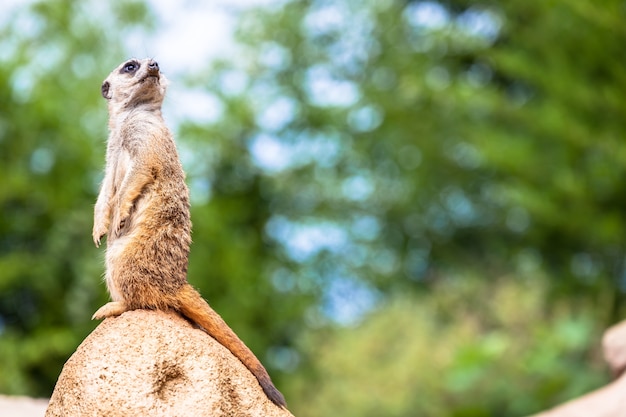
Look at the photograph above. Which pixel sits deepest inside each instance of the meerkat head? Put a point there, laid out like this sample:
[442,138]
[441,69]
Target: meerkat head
[134,83]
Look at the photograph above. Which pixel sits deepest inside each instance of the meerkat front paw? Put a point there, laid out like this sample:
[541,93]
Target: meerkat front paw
[101,217]
[99,230]
[114,308]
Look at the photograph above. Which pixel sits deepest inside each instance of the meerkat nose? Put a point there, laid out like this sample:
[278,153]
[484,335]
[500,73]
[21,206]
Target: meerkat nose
[153,67]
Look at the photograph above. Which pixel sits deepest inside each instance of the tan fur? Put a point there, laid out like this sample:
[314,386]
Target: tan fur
[143,208]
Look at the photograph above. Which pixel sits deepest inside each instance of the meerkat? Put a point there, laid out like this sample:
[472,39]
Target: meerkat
[143,208]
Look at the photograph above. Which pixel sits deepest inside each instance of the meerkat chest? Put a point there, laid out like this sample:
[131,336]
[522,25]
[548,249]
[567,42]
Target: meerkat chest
[122,167]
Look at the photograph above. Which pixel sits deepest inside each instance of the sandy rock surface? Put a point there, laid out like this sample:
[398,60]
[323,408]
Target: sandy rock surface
[152,363]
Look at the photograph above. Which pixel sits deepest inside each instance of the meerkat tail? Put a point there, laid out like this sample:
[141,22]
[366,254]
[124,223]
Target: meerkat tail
[194,307]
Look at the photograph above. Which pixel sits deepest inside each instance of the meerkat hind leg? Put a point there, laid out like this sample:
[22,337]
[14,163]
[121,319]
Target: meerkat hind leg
[114,308]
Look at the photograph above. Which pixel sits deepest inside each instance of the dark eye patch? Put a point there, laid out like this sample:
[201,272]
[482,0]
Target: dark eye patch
[130,67]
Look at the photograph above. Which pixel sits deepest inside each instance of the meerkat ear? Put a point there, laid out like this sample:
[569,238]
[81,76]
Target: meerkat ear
[105,90]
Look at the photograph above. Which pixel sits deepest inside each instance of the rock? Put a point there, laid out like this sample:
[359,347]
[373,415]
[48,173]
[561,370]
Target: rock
[154,363]
[22,406]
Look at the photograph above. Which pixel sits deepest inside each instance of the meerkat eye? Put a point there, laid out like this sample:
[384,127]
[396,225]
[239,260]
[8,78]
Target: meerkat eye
[130,67]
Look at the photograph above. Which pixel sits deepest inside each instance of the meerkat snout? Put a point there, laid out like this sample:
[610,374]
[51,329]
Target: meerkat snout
[153,70]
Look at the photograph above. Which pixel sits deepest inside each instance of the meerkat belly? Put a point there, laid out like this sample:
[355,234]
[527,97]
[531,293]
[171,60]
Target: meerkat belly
[158,211]
[146,270]
[148,262]
[113,276]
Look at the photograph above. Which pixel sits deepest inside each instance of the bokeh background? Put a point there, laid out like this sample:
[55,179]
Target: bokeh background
[403,207]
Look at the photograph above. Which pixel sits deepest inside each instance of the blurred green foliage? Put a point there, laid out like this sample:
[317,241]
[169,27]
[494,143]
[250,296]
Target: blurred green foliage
[405,207]
[449,355]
